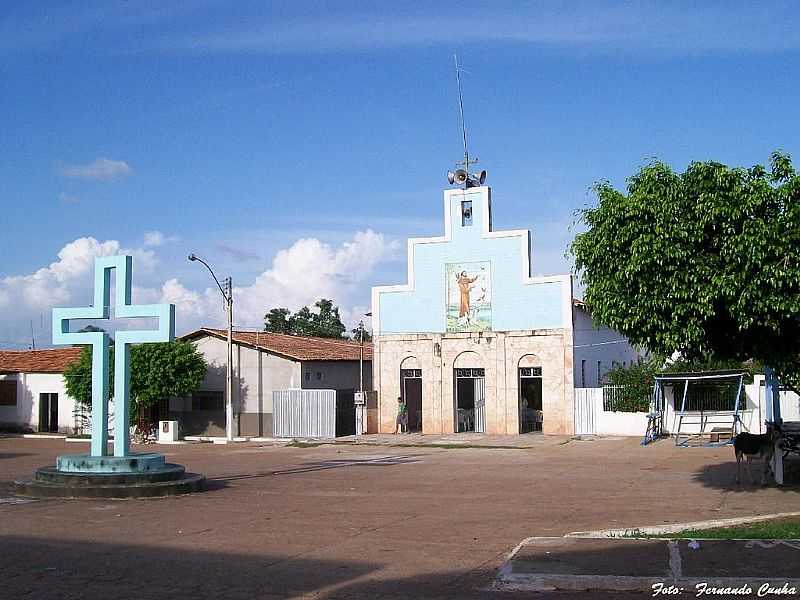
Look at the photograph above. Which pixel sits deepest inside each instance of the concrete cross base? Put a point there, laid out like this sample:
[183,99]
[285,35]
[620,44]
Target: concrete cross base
[142,462]
[170,480]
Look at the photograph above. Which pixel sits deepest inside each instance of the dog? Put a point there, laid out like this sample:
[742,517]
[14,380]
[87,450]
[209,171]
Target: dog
[749,445]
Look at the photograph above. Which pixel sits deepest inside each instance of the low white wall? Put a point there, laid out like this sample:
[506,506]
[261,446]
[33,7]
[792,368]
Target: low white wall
[634,424]
[620,423]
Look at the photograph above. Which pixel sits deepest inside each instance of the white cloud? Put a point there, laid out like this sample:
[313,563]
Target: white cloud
[156,238]
[299,275]
[102,169]
[59,282]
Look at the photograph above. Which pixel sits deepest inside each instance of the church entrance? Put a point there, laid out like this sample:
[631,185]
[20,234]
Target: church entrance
[530,399]
[470,400]
[411,391]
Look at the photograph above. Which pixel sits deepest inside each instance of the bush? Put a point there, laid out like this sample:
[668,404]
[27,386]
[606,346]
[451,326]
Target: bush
[636,386]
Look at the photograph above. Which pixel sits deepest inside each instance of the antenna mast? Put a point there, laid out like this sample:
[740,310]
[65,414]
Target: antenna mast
[463,176]
[461,112]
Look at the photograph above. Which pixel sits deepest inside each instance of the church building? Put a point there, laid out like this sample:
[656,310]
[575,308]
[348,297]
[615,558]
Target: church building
[473,342]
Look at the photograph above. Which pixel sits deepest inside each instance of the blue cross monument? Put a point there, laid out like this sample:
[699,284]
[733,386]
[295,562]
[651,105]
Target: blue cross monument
[165,313]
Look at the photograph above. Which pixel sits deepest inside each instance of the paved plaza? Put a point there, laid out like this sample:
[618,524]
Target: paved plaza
[353,520]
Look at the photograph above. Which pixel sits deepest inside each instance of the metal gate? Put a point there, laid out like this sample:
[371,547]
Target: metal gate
[480,405]
[304,413]
[585,402]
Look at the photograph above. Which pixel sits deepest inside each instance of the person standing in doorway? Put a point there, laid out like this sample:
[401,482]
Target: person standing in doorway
[402,416]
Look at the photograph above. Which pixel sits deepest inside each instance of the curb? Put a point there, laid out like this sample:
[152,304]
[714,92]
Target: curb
[632,532]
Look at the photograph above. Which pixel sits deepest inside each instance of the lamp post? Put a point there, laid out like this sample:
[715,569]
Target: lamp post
[361,354]
[360,410]
[227,295]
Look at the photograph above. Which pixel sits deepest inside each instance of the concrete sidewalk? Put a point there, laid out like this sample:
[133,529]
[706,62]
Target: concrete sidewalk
[652,565]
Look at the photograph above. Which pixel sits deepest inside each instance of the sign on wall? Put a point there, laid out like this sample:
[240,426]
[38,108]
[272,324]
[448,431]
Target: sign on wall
[469,296]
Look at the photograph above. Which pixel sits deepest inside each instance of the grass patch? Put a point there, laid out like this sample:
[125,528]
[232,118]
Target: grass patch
[300,444]
[780,529]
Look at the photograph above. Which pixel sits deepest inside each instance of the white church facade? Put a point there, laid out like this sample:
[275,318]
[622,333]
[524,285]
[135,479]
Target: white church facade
[473,342]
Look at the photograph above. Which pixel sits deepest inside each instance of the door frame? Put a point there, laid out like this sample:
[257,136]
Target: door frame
[406,374]
[48,412]
[472,373]
[529,373]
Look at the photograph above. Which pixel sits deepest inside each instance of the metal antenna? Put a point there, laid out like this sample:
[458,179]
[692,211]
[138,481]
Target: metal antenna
[461,112]
[464,177]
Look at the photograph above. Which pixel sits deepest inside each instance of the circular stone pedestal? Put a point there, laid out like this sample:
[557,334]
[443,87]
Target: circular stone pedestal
[134,476]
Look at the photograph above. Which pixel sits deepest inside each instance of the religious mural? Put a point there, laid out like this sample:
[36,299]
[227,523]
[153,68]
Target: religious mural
[469,296]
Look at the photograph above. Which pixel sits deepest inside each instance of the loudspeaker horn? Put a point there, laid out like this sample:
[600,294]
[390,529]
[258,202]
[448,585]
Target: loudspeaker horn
[460,176]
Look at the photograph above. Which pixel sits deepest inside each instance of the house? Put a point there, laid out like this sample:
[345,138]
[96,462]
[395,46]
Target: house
[263,363]
[33,395]
[473,342]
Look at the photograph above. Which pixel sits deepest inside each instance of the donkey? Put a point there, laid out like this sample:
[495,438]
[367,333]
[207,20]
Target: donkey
[747,445]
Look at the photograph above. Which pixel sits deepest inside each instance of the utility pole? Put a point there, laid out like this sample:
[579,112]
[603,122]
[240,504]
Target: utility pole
[229,400]
[227,295]
[361,357]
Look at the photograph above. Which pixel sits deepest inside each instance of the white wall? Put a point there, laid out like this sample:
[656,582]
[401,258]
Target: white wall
[256,374]
[752,413]
[26,413]
[593,344]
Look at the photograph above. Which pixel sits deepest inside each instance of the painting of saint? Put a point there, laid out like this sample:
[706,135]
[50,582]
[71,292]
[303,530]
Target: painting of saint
[468,296]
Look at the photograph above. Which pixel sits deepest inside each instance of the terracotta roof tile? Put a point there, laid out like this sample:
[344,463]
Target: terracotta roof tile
[53,360]
[293,346]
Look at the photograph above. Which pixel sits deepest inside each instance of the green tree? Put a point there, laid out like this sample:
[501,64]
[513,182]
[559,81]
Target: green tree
[325,322]
[277,321]
[158,371]
[356,333]
[703,262]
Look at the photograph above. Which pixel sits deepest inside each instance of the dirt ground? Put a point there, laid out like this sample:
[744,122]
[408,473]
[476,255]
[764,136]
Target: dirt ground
[352,521]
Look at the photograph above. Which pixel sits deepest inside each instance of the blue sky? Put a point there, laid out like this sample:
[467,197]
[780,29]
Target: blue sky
[296,145]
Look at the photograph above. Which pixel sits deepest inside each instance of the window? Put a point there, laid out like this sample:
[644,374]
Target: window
[8,392]
[583,373]
[466,213]
[319,375]
[208,400]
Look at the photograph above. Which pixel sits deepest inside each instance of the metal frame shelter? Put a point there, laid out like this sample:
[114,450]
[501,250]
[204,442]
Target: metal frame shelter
[655,419]
[789,429]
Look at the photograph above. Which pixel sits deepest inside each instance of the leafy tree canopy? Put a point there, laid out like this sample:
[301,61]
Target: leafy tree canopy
[704,262]
[158,371]
[325,322]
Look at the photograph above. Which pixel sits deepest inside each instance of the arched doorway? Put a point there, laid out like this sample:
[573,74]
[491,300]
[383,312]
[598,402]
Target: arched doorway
[529,373]
[469,393]
[411,391]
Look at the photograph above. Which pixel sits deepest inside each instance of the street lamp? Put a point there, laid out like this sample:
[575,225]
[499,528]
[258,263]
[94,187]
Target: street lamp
[361,354]
[227,295]
[361,408]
